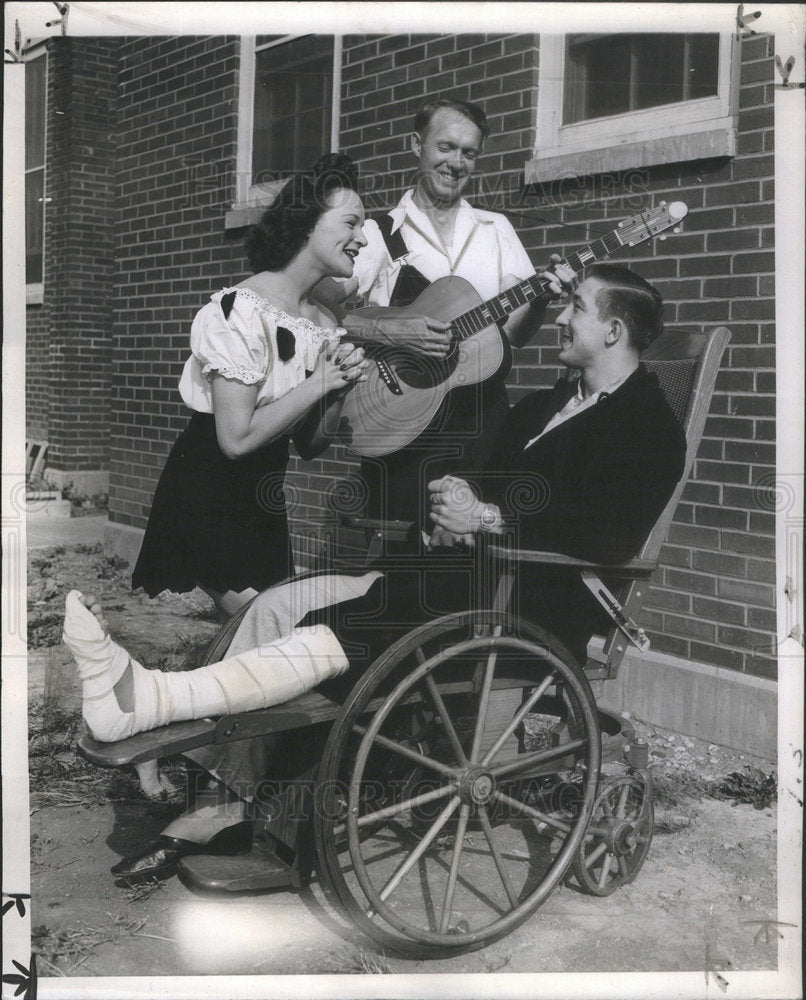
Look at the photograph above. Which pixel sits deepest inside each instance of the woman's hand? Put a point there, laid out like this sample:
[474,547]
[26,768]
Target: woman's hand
[339,365]
[455,507]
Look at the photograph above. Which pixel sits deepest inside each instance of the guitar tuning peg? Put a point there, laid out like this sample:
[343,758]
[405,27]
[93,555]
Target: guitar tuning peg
[676,229]
[662,236]
[663,204]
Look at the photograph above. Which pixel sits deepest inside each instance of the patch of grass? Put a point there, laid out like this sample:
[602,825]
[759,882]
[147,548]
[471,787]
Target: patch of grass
[61,777]
[71,948]
[681,787]
[750,785]
[45,629]
[185,654]
[362,962]
[677,788]
[110,567]
[144,891]
[84,549]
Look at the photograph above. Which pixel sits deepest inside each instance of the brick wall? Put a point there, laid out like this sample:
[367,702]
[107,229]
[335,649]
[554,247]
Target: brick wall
[713,599]
[74,341]
[177,102]
[37,368]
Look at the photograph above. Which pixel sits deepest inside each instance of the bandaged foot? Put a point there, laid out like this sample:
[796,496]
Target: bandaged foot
[257,678]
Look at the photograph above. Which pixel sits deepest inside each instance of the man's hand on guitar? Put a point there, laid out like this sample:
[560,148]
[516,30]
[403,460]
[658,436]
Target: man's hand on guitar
[423,334]
[561,277]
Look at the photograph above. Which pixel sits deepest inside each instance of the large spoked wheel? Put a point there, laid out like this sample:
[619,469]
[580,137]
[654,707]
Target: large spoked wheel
[432,833]
[617,841]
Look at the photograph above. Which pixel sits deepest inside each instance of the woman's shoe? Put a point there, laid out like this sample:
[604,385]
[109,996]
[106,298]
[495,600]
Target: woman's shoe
[159,859]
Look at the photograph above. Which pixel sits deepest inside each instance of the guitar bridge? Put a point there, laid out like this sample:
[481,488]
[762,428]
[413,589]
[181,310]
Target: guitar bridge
[388,377]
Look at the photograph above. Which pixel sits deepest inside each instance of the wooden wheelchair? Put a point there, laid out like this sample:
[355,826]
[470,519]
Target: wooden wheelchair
[469,770]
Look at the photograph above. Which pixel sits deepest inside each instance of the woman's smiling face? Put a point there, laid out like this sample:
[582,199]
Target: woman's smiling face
[338,235]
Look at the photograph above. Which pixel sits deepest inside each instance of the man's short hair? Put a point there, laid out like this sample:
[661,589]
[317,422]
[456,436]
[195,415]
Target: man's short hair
[630,298]
[472,111]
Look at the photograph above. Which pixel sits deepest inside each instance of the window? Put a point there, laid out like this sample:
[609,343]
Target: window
[288,113]
[35,111]
[614,74]
[616,101]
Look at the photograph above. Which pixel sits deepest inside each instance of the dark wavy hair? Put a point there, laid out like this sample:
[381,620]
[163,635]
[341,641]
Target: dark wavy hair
[288,222]
[465,108]
[630,298]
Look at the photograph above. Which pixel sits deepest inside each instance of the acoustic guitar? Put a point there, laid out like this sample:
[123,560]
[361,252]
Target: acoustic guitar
[404,388]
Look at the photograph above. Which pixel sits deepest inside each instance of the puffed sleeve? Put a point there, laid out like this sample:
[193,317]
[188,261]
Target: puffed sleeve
[228,337]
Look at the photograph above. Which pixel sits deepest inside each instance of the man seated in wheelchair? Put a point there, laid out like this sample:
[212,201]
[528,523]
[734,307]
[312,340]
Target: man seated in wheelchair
[583,469]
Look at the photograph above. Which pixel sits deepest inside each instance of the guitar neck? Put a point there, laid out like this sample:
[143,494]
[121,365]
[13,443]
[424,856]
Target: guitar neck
[496,309]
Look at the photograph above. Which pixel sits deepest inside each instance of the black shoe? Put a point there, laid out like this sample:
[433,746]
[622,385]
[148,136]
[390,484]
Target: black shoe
[159,859]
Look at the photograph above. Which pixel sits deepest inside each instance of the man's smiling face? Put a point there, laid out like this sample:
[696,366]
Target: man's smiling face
[447,152]
[582,331]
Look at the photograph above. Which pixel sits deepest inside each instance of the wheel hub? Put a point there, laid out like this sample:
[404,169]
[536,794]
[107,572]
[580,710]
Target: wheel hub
[477,786]
[621,836]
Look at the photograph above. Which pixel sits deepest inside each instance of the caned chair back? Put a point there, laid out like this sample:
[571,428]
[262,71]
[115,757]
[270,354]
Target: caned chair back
[686,365]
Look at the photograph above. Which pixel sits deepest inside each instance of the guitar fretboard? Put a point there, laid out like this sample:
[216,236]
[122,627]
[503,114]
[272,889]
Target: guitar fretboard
[496,309]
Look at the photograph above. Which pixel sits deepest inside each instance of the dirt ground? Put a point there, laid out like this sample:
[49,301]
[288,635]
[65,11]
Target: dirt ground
[706,888]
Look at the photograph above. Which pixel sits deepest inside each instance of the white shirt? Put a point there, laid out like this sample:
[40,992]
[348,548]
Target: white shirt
[577,404]
[243,347]
[485,248]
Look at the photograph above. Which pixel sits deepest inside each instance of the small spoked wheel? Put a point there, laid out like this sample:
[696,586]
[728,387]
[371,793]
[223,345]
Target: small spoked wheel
[439,826]
[617,842]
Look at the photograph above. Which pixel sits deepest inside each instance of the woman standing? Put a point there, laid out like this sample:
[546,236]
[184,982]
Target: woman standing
[267,366]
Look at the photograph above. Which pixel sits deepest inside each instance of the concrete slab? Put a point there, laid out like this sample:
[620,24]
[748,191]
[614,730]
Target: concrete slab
[43,532]
[697,699]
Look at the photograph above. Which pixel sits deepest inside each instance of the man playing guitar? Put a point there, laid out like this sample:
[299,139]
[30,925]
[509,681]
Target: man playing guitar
[434,232]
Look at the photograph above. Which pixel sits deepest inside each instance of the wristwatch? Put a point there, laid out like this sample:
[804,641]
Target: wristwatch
[489,517]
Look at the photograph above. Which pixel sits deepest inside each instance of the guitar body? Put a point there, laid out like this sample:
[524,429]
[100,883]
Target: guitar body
[404,389]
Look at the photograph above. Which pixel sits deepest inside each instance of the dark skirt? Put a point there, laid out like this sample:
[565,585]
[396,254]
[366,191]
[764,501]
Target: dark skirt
[216,522]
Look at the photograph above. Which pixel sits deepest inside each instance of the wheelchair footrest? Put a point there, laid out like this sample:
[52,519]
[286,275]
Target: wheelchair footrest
[258,871]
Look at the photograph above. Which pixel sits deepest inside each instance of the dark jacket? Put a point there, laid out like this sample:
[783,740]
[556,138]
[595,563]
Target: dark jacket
[593,486]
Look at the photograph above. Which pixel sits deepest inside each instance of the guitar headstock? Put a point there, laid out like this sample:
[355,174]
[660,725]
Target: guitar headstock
[645,225]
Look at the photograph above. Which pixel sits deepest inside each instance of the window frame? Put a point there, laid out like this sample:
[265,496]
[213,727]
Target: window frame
[250,199]
[687,130]
[35,290]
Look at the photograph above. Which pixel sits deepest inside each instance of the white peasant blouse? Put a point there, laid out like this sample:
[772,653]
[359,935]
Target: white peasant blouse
[244,346]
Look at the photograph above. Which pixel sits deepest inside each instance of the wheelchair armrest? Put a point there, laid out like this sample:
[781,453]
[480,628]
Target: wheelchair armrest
[392,529]
[633,568]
